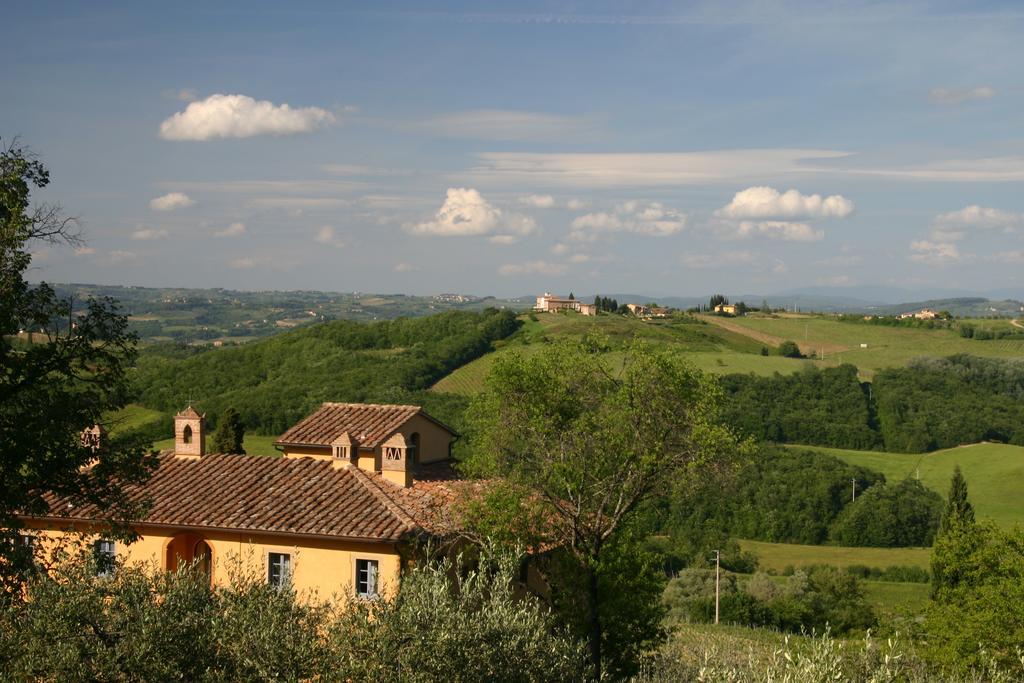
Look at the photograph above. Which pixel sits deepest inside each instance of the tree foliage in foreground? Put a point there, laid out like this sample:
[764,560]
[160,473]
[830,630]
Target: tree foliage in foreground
[592,445]
[148,625]
[73,370]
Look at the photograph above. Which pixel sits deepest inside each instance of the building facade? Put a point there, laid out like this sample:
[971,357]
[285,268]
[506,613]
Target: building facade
[549,303]
[357,488]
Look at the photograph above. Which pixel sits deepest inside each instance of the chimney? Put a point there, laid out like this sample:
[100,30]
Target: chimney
[189,434]
[345,451]
[394,463]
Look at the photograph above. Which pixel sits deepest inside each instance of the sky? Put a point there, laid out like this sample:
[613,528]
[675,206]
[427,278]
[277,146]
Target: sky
[512,148]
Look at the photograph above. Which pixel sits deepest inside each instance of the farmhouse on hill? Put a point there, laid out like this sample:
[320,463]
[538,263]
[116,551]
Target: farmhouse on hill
[358,486]
[549,303]
[729,309]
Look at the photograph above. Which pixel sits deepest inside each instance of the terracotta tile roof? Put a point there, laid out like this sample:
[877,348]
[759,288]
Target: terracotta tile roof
[280,495]
[189,412]
[368,423]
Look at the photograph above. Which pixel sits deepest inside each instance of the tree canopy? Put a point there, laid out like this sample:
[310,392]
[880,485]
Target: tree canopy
[63,378]
[593,444]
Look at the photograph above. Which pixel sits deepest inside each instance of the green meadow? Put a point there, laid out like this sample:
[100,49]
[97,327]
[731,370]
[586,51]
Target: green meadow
[994,474]
[709,347]
[841,341]
[777,556]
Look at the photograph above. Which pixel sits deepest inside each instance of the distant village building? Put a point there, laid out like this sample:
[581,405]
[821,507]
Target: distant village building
[923,314]
[638,309]
[549,303]
[726,308]
[358,490]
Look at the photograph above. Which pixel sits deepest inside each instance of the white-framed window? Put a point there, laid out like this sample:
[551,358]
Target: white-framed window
[366,578]
[279,568]
[106,556]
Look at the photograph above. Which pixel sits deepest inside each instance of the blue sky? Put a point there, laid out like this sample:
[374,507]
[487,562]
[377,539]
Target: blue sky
[662,148]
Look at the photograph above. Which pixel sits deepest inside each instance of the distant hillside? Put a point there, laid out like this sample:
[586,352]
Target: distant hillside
[204,316]
[274,382]
[966,307]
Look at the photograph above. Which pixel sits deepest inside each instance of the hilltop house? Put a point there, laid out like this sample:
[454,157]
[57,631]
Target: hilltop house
[357,487]
[923,314]
[549,303]
[729,309]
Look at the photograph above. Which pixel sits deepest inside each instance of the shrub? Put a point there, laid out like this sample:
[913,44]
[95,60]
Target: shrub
[890,516]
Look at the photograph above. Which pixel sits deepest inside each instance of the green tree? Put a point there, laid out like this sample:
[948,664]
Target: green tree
[977,609]
[717,299]
[890,516]
[230,433]
[593,445]
[69,376]
[958,508]
[790,349]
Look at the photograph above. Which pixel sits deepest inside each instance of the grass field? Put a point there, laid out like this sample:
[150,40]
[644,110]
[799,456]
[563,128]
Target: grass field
[709,347]
[133,416]
[841,341]
[254,444]
[994,474]
[890,597]
[778,556]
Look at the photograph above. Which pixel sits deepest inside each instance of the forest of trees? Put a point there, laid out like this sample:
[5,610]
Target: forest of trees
[929,404]
[792,496]
[826,407]
[275,382]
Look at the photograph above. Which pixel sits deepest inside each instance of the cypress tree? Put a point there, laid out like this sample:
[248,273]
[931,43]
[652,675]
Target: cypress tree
[230,433]
[958,508]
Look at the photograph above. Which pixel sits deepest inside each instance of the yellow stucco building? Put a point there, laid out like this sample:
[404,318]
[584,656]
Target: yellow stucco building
[356,487]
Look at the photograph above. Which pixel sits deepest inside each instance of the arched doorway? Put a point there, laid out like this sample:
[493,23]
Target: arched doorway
[202,555]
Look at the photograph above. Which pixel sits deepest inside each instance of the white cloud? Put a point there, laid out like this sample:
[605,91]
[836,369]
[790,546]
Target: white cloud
[579,258]
[647,169]
[466,212]
[533,268]
[499,124]
[85,251]
[746,259]
[328,236]
[575,204]
[560,248]
[841,260]
[503,239]
[1009,257]
[404,267]
[246,262]
[171,201]
[120,256]
[935,253]
[980,217]
[725,258]
[777,230]
[149,234]
[767,202]
[240,116]
[538,201]
[654,219]
[960,95]
[233,230]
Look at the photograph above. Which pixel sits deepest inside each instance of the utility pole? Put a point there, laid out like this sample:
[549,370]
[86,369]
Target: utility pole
[854,480]
[718,573]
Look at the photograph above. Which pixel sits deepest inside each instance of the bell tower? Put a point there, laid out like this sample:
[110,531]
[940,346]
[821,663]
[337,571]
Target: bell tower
[189,433]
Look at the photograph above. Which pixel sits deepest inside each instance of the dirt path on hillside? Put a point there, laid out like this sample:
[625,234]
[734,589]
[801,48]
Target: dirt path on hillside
[806,348]
[1016,323]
